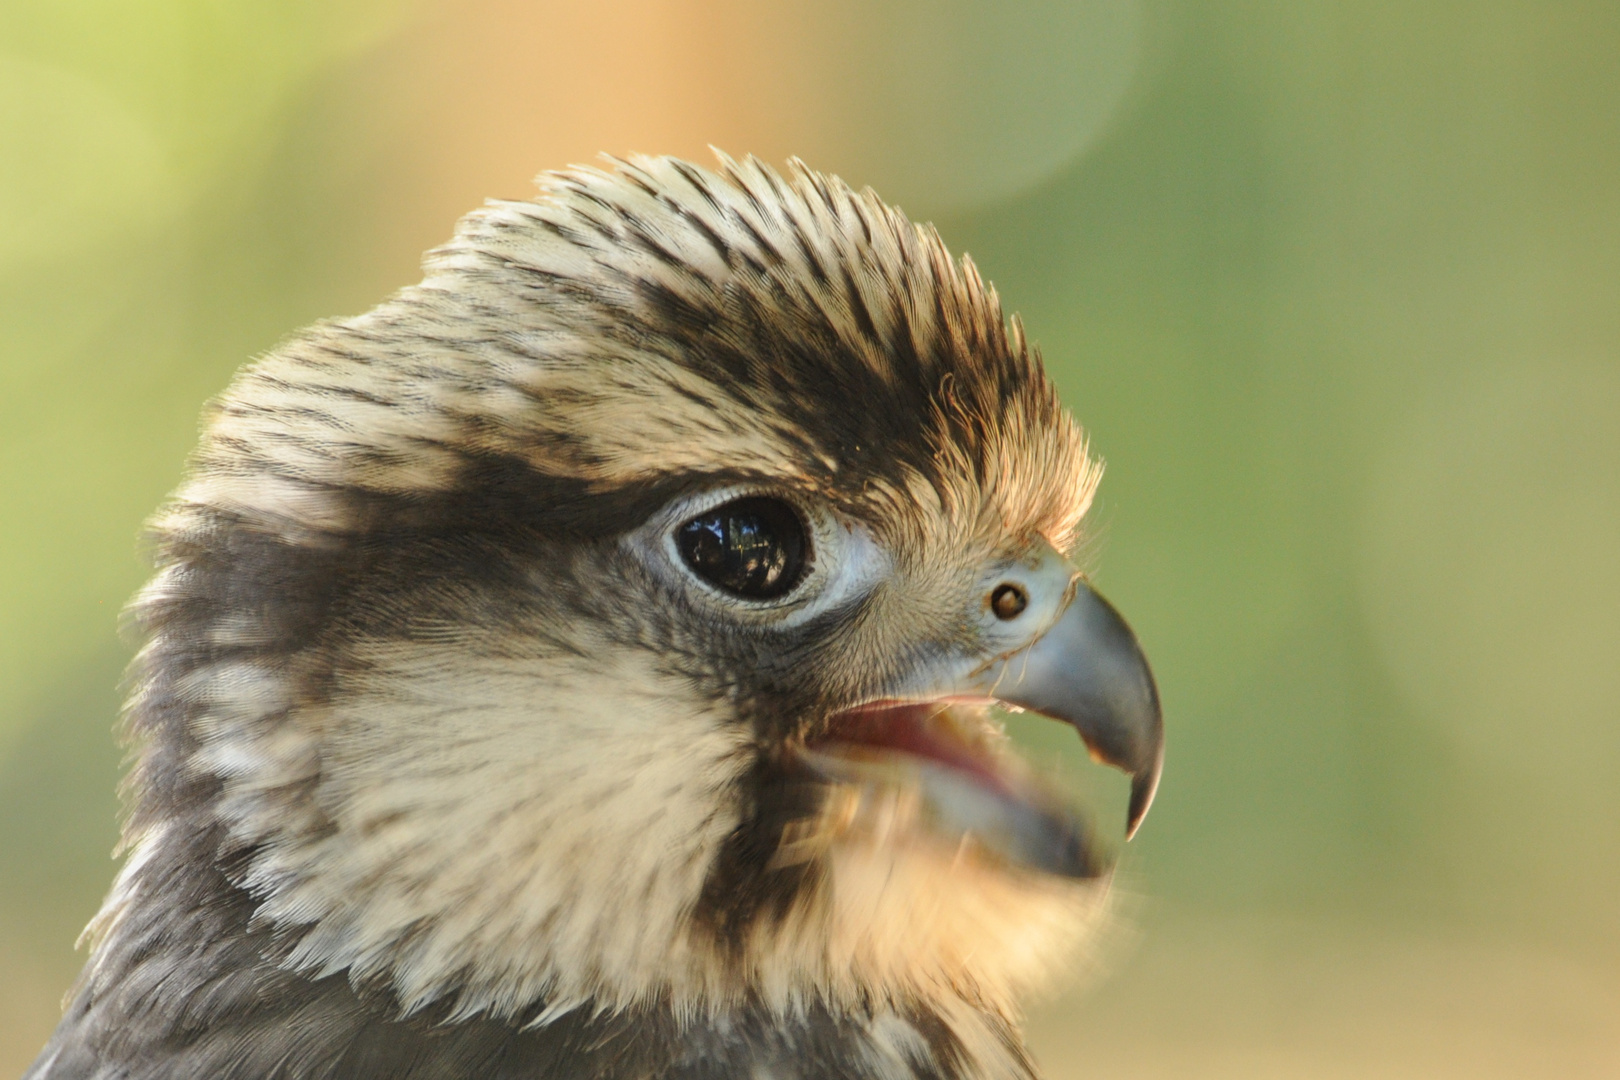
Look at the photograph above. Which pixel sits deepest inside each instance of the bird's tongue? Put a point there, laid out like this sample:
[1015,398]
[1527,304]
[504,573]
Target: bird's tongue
[929,731]
[930,771]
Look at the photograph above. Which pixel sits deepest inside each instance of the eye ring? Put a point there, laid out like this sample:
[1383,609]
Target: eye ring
[1008,601]
[752,548]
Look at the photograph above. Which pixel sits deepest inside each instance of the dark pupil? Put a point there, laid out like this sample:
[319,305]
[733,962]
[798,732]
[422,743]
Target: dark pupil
[753,547]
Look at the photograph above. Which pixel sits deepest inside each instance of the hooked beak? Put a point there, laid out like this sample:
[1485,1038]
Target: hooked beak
[1062,651]
[1088,671]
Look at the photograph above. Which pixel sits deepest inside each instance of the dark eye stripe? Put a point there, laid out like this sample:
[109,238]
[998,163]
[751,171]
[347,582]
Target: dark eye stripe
[755,547]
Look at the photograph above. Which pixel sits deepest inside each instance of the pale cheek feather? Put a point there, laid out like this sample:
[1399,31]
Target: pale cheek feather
[521,833]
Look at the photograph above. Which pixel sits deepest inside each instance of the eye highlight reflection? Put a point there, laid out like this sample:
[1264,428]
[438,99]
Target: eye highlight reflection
[755,548]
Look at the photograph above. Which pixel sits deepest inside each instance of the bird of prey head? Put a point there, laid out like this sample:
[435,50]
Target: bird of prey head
[581,665]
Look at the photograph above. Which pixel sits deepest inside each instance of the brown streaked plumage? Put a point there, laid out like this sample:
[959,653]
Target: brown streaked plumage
[452,761]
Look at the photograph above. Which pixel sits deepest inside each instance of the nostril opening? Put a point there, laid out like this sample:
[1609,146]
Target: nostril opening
[1008,601]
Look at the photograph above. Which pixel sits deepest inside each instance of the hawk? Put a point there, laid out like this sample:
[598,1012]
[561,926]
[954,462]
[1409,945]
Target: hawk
[584,663]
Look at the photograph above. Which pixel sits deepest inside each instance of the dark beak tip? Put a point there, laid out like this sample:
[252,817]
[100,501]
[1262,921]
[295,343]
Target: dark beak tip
[1144,785]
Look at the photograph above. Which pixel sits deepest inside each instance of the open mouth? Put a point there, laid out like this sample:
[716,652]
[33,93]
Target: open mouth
[944,773]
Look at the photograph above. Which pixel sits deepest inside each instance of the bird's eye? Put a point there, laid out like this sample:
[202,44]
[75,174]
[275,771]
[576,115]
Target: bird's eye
[753,547]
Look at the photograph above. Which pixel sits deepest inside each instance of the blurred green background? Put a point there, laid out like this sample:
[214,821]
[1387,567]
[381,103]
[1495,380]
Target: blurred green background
[1334,286]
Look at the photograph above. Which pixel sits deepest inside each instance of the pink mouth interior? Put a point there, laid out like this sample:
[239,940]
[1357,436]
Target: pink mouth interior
[916,728]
